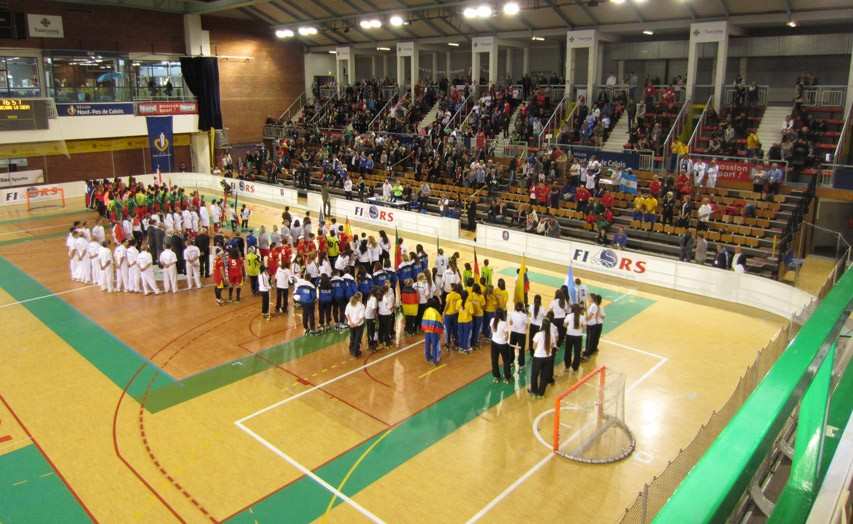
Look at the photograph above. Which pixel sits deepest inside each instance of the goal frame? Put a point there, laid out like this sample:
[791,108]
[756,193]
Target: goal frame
[32,195]
[601,372]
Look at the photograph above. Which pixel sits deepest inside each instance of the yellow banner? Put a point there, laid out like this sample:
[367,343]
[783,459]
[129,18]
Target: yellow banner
[75,147]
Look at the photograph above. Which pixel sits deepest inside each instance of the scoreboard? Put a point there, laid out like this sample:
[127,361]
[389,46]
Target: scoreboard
[23,114]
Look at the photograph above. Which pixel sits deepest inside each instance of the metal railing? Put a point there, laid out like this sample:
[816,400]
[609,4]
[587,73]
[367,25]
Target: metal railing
[328,91]
[464,108]
[613,91]
[324,108]
[647,159]
[376,123]
[554,124]
[697,131]
[293,109]
[676,129]
[824,96]
[842,149]
[109,93]
[730,92]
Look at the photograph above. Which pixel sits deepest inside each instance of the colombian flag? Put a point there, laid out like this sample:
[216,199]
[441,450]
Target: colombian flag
[521,282]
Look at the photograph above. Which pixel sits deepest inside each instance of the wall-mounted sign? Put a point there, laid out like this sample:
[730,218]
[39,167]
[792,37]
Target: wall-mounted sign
[22,114]
[166,108]
[45,26]
[105,109]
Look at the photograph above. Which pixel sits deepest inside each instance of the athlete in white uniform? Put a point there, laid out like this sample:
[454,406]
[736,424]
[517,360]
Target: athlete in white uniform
[92,251]
[98,233]
[105,265]
[204,217]
[120,260]
[84,269]
[133,276]
[168,261]
[146,269]
[70,242]
[192,255]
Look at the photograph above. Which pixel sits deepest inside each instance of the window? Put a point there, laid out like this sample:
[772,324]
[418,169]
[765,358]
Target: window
[19,77]
[87,78]
[157,80]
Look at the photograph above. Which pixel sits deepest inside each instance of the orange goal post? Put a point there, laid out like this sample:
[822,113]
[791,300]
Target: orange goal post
[589,419]
[42,197]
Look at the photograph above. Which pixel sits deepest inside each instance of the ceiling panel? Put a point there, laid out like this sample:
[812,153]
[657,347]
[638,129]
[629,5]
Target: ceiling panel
[756,6]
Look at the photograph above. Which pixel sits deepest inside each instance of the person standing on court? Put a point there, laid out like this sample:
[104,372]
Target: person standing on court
[541,346]
[500,348]
[327,200]
[253,268]
[146,269]
[105,264]
[354,314]
[192,256]
[282,286]
[575,324]
[264,290]
[371,316]
[133,276]
[452,305]
[305,294]
[386,315]
[120,260]
[234,267]
[220,276]
[518,321]
[169,265]
[594,324]
[433,328]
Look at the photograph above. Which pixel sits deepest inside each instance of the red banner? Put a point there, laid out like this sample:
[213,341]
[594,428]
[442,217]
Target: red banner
[734,170]
[166,108]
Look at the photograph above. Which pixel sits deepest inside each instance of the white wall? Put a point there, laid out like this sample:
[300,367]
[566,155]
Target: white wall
[90,127]
[317,64]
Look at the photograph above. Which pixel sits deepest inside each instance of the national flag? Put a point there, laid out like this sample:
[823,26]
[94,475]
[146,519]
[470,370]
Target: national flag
[348,228]
[476,265]
[520,286]
[570,283]
[398,253]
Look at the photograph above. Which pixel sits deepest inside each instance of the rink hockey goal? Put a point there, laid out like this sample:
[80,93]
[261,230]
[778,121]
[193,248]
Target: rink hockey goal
[589,419]
[43,197]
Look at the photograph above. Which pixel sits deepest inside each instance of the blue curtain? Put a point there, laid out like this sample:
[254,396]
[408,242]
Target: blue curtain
[202,77]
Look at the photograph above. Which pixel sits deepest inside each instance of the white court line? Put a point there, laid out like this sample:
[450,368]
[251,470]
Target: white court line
[28,230]
[324,384]
[290,460]
[33,299]
[307,472]
[536,467]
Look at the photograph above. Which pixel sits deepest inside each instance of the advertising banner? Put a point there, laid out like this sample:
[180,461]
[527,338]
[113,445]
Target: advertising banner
[107,109]
[45,26]
[608,159]
[22,178]
[166,108]
[160,142]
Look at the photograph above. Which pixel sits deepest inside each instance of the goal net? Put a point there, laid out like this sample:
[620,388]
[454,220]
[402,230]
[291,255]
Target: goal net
[588,420]
[43,197]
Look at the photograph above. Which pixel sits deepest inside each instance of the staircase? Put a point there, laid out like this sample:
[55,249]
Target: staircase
[618,137]
[770,129]
[430,117]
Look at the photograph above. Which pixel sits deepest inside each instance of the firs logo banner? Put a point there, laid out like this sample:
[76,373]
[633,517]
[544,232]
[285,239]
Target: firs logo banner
[610,259]
[374,213]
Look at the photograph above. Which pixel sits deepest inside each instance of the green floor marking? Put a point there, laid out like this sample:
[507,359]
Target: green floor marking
[30,490]
[119,362]
[555,282]
[30,238]
[305,501]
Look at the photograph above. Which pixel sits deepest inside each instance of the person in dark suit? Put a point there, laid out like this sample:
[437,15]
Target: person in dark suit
[203,243]
[176,242]
[723,260]
[686,243]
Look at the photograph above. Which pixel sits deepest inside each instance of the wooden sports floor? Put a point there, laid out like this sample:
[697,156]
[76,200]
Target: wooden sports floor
[122,408]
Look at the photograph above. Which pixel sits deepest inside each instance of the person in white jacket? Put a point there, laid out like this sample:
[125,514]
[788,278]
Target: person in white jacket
[105,265]
[168,263]
[192,259]
[120,260]
[133,275]
[283,276]
[146,269]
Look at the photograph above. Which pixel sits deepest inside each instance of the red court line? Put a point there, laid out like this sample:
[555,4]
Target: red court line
[5,438]
[367,371]
[307,382]
[338,455]
[47,458]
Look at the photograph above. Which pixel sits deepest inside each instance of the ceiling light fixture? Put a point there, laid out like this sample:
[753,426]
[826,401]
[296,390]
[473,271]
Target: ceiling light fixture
[792,23]
[469,12]
[484,11]
[370,24]
[284,33]
[307,30]
[511,8]
[617,2]
[537,38]
[453,44]
[397,20]
[383,48]
[648,32]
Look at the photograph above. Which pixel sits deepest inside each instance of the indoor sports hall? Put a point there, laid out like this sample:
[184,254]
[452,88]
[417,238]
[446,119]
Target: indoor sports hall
[422,261]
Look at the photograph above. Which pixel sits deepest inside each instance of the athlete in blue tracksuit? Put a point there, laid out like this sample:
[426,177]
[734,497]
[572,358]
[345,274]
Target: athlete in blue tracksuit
[305,294]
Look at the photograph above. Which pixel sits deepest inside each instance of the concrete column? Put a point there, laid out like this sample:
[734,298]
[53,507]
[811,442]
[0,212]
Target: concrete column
[742,66]
[475,69]
[509,63]
[196,40]
[384,66]
[373,66]
[339,74]
[525,61]
[447,56]
[401,71]
[351,68]
[200,152]
[415,63]
[620,72]
[849,88]
[720,70]
[692,71]
[493,64]
[592,71]
[434,67]
[570,71]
